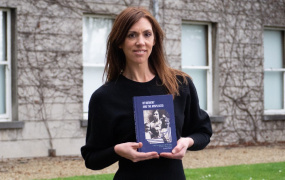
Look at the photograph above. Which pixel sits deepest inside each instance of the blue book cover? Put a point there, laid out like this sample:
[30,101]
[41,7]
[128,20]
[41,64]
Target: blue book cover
[155,123]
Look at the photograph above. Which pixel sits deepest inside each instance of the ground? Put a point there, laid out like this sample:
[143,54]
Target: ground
[52,167]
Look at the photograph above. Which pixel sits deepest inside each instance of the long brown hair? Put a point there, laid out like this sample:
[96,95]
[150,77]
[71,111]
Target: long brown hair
[116,60]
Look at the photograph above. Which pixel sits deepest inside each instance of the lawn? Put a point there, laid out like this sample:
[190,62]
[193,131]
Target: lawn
[268,171]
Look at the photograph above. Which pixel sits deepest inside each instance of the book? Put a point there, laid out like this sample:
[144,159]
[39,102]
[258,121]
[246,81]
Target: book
[155,123]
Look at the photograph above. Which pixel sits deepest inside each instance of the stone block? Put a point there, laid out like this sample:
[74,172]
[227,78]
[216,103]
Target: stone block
[9,3]
[170,4]
[174,61]
[50,59]
[229,93]
[234,21]
[56,94]
[49,8]
[9,135]
[33,130]
[56,111]
[49,25]
[230,65]
[240,108]
[253,22]
[50,78]
[68,146]
[271,136]
[172,47]
[241,79]
[66,129]
[171,20]
[272,125]
[18,149]
[49,42]
[241,51]
[172,31]
[105,9]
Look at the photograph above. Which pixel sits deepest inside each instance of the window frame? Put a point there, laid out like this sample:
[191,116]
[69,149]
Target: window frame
[7,63]
[209,67]
[93,65]
[275,111]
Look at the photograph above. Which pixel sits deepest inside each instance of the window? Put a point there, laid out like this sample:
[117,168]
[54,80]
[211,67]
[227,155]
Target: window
[274,71]
[5,65]
[95,32]
[197,60]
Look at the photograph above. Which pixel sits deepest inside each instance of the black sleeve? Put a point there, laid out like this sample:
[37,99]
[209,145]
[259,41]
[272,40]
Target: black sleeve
[98,152]
[197,124]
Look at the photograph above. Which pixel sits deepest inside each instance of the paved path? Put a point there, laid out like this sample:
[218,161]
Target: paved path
[39,168]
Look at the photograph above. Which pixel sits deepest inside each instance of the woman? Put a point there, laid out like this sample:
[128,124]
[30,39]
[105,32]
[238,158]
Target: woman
[136,66]
[166,131]
[155,125]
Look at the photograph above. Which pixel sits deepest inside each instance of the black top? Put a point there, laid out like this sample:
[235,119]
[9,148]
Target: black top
[111,121]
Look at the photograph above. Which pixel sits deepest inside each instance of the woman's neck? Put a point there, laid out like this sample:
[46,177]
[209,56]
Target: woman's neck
[138,73]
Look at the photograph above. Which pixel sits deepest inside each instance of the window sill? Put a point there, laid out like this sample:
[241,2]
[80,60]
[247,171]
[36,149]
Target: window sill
[11,125]
[83,123]
[275,117]
[214,119]
[217,119]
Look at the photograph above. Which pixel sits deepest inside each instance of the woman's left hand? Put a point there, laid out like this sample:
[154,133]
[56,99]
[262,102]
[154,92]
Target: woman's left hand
[180,150]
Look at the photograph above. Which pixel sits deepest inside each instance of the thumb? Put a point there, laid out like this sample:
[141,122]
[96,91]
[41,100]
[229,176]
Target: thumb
[137,145]
[177,149]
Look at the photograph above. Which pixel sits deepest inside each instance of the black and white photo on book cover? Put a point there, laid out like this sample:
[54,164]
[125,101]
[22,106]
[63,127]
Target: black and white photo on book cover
[155,123]
[157,126]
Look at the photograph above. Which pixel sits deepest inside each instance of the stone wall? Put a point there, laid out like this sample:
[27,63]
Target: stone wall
[238,62]
[49,68]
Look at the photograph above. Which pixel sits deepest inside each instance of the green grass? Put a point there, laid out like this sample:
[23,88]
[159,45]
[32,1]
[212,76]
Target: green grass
[268,171]
[92,177]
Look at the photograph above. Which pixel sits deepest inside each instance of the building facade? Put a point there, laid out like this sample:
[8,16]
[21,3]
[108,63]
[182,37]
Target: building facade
[52,57]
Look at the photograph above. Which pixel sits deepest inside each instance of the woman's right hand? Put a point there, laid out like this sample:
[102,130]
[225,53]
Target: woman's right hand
[129,151]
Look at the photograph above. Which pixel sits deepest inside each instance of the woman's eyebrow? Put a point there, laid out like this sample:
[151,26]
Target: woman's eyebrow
[133,31]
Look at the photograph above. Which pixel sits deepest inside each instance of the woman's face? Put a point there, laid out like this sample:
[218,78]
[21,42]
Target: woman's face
[156,115]
[147,127]
[138,44]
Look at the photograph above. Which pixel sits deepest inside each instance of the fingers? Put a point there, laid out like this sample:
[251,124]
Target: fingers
[179,151]
[129,151]
[178,155]
[136,145]
[177,148]
[168,155]
[140,156]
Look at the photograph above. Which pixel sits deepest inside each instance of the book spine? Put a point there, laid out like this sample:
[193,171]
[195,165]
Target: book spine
[136,121]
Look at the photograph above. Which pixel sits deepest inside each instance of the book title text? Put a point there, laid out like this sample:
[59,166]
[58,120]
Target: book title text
[151,104]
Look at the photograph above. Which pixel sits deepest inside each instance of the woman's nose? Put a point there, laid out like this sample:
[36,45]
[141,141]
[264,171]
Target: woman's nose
[140,40]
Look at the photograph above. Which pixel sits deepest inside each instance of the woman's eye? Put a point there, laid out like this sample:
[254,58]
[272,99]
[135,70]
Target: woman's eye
[148,34]
[131,35]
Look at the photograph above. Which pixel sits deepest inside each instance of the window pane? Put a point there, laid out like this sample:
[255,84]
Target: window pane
[92,77]
[273,49]
[194,45]
[199,78]
[95,33]
[3,17]
[273,90]
[2,90]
